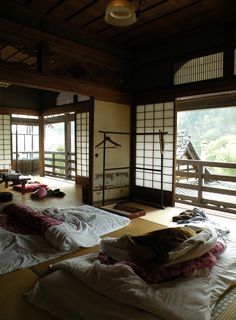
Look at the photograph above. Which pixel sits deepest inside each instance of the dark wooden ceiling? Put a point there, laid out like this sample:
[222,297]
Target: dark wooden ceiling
[160,20]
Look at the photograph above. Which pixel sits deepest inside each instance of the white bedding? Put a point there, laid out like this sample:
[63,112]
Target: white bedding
[21,251]
[125,296]
[68,237]
[103,222]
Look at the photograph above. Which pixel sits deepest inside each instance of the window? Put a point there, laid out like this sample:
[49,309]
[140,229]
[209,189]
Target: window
[198,69]
[25,137]
[25,142]
[65,98]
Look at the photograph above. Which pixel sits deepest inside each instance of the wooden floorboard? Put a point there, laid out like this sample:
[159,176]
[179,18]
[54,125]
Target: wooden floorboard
[73,193]
[73,197]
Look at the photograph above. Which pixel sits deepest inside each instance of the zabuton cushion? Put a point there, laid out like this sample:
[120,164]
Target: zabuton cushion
[29,187]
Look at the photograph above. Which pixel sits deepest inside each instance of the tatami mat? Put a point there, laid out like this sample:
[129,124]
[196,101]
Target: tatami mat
[14,305]
[225,309]
[136,227]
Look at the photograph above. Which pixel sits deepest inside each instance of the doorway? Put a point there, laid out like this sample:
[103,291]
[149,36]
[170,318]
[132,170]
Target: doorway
[205,152]
[59,145]
[25,144]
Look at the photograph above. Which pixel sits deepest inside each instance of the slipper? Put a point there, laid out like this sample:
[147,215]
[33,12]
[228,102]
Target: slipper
[58,193]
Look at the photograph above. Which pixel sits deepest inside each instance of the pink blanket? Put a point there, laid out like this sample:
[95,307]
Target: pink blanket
[22,218]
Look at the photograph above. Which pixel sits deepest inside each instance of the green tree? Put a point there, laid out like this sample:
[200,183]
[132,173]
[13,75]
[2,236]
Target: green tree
[216,127]
[223,150]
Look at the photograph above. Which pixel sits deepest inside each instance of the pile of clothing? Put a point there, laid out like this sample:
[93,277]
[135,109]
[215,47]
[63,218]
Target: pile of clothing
[188,216]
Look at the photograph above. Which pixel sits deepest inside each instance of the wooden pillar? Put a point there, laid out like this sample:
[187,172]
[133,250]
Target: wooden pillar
[67,146]
[41,146]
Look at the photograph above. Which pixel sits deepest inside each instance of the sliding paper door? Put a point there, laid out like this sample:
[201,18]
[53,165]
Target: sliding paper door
[5,142]
[84,151]
[154,153]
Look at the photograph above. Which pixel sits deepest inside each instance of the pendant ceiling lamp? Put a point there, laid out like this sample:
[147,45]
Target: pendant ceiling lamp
[122,12]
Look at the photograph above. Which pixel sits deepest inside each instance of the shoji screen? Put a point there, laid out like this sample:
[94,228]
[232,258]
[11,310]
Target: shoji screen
[149,175]
[5,141]
[82,144]
[198,69]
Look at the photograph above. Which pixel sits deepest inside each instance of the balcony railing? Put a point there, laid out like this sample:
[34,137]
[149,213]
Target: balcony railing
[26,162]
[59,164]
[197,186]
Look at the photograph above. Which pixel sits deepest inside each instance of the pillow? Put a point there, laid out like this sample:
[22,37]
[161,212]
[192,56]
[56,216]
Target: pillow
[31,217]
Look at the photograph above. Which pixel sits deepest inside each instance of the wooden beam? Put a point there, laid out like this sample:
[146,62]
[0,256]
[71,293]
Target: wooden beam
[60,83]
[32,36]
[43,61]
[14,110]
[217,100]
[95,65]
[191,89]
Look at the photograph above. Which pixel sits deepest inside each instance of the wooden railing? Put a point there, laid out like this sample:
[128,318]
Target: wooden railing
[195,185]
[59,164]
[26,162]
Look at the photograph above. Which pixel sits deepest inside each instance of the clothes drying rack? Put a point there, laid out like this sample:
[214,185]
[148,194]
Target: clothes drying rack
[114,144]
[103,144]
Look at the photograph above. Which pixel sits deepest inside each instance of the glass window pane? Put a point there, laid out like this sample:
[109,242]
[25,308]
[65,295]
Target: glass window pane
[28,143]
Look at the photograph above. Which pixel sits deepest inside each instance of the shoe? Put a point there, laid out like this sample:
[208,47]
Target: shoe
[58,193]
[55,193]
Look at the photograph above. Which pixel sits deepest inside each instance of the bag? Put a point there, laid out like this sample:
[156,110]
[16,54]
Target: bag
[5,196]
[39,194]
